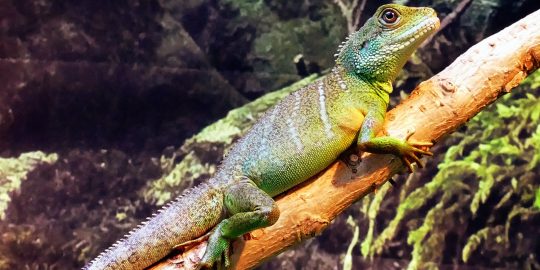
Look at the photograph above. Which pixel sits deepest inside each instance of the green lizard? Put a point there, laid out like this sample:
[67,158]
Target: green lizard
[293,141]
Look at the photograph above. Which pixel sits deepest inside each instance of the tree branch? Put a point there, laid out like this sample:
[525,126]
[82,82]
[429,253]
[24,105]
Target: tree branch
[436,108]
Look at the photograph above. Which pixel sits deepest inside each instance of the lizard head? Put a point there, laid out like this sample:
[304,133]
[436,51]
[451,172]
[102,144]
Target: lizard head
[382,46]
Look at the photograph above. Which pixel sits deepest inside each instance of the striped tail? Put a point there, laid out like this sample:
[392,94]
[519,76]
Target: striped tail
[186,218]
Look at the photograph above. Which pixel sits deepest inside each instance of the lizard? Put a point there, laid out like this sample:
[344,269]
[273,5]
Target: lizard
[294,140]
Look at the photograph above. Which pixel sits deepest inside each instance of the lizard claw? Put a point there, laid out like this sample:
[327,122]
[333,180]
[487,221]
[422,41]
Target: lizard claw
[416,145]
[217,252]
[412,152]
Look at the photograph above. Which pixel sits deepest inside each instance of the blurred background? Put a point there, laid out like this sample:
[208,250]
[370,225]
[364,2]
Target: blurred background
[108,110]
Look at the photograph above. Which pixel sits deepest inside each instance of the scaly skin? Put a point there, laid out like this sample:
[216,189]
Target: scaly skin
[293,141]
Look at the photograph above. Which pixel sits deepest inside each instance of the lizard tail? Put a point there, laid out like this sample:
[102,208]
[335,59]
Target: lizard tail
[186,218]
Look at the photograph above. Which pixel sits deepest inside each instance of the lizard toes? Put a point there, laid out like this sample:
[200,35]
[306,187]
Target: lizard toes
[407,163]
[414,158]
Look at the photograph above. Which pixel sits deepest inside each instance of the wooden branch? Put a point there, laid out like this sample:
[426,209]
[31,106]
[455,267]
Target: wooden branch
[436,108]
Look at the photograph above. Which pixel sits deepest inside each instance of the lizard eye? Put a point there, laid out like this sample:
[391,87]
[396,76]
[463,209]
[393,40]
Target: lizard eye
[389,16]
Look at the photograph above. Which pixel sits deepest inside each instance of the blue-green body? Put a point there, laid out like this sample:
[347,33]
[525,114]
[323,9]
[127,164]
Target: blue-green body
[307,131]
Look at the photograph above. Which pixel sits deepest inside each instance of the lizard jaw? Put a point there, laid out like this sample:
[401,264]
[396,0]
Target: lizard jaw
[416,34]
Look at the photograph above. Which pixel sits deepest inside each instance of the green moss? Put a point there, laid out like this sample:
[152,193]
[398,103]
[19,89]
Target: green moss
[14,170]
[372,215]
[537,199]
[188,169]
[417,236]
[348,259]
[476,239]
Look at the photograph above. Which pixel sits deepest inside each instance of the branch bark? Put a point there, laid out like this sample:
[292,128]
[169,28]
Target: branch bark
[436,108]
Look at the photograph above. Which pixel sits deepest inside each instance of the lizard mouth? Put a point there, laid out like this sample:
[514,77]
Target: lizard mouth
[415,34]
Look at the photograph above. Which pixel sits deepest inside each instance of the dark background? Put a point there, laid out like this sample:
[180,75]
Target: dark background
[114,88]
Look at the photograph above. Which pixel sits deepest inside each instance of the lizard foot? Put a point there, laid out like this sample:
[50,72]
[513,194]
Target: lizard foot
[217,252]
[411,151]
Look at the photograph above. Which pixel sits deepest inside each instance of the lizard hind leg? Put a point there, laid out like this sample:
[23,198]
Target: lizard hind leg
[250,208]
[191,243]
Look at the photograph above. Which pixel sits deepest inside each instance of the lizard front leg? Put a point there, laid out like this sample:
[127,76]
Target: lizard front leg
[250,208]
[408,152]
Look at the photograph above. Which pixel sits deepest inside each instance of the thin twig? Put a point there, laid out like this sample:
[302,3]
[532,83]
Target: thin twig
[359,12]
[348,11]
[449,19]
